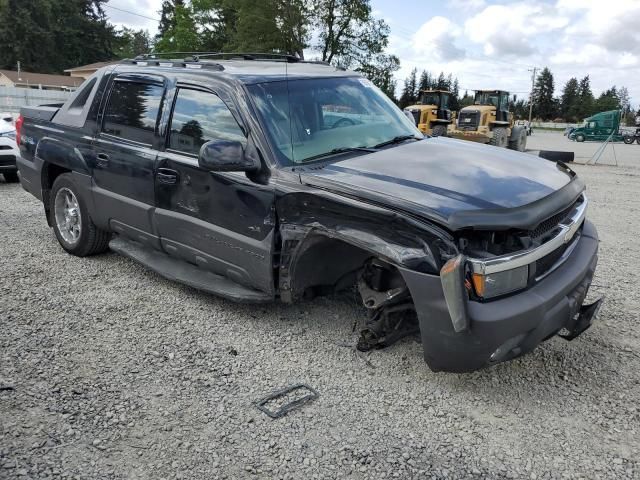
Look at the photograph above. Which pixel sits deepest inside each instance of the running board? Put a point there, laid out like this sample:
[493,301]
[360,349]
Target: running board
[186,273]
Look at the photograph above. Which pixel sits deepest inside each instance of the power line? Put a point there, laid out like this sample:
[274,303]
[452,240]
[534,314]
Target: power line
[131,13]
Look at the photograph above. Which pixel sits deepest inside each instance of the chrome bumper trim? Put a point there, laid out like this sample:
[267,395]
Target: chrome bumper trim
[568,229]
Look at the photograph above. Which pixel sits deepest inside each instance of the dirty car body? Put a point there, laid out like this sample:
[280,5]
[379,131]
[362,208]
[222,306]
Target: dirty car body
[264,180]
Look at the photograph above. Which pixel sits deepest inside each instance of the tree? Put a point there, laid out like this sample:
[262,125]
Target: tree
[543,95]
[49,36]
[585,105]
[131,43]
[569,100]
[168,17]
[409,94]
[466,100]
[279,26]
[182,33]
[454,103]
[380,71]
[608,100]
[348,33]
[426,82]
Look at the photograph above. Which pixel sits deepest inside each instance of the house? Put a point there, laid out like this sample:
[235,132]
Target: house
[40,81]
[85,71]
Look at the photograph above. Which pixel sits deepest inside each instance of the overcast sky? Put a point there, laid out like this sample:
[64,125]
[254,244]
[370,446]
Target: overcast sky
[494,44]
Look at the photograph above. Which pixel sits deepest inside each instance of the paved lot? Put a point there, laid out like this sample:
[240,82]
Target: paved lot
[117,373]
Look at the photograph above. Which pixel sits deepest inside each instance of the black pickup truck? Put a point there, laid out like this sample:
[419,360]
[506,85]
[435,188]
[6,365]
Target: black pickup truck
[260,179]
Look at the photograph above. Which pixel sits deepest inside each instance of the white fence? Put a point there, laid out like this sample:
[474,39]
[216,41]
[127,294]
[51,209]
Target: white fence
[12,98]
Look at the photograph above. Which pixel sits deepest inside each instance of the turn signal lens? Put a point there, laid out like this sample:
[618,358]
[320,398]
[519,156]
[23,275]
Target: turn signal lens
[455,292]
[500,283]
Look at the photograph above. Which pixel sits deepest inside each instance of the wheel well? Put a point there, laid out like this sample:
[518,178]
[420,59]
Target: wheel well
[325,265]
[50,171]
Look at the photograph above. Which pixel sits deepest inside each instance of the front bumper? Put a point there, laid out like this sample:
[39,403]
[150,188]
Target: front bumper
[508,327]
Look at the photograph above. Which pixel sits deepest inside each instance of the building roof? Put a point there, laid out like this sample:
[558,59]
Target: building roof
[91,66]
[41,79]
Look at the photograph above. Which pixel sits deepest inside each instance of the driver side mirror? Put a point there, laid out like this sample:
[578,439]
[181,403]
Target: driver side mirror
[226,156]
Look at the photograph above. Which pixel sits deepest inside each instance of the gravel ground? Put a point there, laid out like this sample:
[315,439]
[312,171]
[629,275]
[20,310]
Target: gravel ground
[109,371]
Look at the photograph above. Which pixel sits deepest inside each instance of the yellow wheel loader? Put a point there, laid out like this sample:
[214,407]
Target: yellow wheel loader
[488,120]
[431,113]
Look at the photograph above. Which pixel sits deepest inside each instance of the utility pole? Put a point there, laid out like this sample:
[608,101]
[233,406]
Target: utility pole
[533,82]
[19,70]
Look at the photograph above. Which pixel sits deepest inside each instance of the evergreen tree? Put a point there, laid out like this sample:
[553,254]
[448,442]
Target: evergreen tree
[182,34]
[543,95]
[168,17]
[585,105]
[569,100]
[608,100]
[454,102]
[426,83]
[132,43]
[409,94]
[49,36]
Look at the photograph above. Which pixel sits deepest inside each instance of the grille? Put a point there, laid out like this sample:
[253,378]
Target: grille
[5,147]
[551,223]
[545,263]
[469,120]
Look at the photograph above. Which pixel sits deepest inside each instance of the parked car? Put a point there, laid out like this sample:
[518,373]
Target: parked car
[285,180]
[8,148]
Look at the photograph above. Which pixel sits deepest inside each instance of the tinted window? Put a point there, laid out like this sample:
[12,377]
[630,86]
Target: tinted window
[199,117]
[132,110]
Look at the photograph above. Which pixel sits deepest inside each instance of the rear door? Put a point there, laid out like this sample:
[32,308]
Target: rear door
[125,152]
[220,221]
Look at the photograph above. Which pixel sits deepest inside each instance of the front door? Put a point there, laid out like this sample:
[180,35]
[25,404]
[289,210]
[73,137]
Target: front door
[220,221]
[125,153]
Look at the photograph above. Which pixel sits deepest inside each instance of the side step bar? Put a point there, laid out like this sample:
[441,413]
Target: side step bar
[186,273]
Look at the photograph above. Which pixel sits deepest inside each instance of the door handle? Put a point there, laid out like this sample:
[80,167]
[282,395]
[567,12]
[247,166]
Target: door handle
[103,159]
[167,176]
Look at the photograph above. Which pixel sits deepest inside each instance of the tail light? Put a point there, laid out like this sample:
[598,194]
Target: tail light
[19,123]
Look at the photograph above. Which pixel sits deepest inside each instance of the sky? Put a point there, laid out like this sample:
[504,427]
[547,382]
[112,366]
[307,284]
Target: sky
[494,44]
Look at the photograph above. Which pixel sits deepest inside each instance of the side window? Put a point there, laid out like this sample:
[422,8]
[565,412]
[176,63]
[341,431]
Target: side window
[199,117]
[132,110]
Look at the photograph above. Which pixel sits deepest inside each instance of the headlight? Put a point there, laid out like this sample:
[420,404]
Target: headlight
[500,283]
[9,134]
[435,112]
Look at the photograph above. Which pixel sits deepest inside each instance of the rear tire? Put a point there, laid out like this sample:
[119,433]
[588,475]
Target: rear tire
[439,131]
[500,137]
[11,177]
[73,226]
[579,137]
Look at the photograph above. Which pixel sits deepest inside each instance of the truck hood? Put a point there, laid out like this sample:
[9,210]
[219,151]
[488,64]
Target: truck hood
[456,183]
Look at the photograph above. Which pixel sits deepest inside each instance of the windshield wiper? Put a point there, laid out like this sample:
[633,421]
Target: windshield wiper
[398,139]
[337,151]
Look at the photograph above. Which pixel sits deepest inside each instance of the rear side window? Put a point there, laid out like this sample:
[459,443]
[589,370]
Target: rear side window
[132,110]
[199,117]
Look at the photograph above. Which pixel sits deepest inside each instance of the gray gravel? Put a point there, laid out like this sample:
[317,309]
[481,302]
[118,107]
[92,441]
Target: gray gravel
[109,371]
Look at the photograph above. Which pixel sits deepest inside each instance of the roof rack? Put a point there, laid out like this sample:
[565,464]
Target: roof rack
[151,62]
[196,56]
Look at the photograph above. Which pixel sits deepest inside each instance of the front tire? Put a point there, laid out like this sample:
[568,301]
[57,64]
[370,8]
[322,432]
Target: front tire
[520,143]
[500,137]
[579,137]
[73,226]
[439,131]
[11,177]
[628,139]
